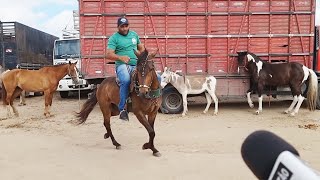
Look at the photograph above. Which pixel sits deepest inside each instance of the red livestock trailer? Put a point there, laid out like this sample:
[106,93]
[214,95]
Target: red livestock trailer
[200,37]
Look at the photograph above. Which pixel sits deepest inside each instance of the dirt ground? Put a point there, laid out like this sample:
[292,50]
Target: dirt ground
[198,146]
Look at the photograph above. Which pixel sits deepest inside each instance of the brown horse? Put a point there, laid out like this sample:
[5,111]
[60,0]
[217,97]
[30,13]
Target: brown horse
[45,79]
[145,93]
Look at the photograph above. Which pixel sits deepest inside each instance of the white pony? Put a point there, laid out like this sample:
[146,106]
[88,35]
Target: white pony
[192,85]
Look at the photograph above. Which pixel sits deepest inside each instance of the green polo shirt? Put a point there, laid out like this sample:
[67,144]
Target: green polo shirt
[124,46]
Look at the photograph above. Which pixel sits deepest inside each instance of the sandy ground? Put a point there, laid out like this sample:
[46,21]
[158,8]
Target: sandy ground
[198,146]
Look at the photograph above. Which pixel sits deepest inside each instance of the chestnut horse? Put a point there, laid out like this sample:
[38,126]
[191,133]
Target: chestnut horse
[45,79]
[290,74]
[145,93]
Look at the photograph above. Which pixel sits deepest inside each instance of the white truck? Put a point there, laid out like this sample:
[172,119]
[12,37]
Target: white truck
[66,50]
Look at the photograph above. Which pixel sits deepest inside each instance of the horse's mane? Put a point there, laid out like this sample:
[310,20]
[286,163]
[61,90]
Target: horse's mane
[256,58]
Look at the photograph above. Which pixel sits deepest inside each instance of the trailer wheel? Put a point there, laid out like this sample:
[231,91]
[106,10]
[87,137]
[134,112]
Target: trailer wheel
[64,94]
[172,102]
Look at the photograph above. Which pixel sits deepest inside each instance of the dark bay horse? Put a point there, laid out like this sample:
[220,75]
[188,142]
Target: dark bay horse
[145,93]
[45,79]
[290,74]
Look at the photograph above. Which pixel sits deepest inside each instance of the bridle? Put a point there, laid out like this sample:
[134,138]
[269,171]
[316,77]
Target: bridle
[152,94]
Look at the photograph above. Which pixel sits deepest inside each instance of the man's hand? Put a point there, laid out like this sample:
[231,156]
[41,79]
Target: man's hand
[124,59]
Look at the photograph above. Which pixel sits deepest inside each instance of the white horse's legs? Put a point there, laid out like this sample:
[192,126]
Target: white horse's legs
[296,109]
[294,102]
[260,105]
[249,100]
[185,107]
[209,100]
[215,99]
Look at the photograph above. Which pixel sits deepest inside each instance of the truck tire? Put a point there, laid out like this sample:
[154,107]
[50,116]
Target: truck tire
[64,94]
[172,102]
[318,99]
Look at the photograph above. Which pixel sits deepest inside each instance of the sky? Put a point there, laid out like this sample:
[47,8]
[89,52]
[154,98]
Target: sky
[52,16]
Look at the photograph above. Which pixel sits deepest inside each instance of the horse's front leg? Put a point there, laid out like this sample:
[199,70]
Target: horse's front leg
[185,104]
[249,98]
[260,97]
[148,124]
[47,103]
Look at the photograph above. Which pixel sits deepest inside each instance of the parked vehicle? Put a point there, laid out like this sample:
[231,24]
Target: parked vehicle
[24,47]
[202,37]
[66,50]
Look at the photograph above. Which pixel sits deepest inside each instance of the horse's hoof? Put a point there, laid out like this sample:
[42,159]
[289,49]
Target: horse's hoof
[257,112]
[286,112]
[106,136]
[292,114]
[118,147]
[215,113]
[183,115]
[157,154]
[204,112]
[251,105]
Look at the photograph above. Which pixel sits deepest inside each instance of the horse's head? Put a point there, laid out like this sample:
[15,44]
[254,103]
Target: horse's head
[165,76]
[73,72]
[146,75]
[251,62]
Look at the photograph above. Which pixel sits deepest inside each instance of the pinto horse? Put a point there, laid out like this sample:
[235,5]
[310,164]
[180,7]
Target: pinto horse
[45,79]
[192,85]
[145,93]
[290,74]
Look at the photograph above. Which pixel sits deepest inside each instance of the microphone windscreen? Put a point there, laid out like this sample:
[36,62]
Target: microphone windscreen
[260,151]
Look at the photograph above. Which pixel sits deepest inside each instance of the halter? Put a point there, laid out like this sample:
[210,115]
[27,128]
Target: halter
[245,65]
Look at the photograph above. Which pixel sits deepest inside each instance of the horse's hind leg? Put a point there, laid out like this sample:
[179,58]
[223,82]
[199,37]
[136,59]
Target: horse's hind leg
[106,117]
[15,94]
[149,125]
[215,99]
[296,109]
[185,104]
[209,100]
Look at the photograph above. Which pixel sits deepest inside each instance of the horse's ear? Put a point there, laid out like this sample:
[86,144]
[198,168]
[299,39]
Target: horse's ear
[137,53]
[165,69]
[153,54]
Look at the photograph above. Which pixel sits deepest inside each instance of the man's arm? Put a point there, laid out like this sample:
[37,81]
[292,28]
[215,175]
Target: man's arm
[141,47]
[112,56]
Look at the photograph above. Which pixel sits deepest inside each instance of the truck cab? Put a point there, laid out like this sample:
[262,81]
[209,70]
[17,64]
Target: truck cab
[66,50]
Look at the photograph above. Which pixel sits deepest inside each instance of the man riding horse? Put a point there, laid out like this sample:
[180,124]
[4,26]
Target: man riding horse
[121,46]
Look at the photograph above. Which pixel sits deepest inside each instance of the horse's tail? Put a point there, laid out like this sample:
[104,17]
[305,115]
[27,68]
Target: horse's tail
[87,107]
[4,93]
[312,93]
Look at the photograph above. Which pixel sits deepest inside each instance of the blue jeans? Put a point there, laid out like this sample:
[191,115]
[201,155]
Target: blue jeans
[123,74]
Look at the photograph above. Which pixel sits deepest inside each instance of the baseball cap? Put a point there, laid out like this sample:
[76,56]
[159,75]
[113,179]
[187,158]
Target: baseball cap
[122,21]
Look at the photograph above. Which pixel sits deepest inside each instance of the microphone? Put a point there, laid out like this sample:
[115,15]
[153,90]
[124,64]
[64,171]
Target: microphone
[270,157]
